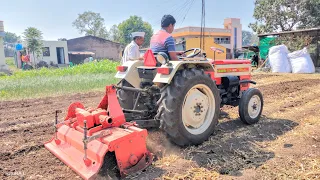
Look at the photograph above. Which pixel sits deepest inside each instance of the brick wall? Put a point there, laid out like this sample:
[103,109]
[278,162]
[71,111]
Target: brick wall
[101,47]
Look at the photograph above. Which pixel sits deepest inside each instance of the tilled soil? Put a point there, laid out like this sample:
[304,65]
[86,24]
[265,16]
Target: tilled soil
[232,151]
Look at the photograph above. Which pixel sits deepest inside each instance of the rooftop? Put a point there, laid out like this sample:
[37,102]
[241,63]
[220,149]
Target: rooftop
[316,30]
[198,29]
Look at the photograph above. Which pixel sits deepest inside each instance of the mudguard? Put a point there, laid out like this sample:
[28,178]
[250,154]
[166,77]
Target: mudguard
[131,75]
[176,65]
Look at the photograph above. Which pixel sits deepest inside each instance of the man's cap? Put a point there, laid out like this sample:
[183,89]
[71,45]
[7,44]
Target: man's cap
[138,34]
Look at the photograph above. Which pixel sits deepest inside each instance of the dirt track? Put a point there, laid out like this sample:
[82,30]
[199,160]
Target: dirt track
[286,137]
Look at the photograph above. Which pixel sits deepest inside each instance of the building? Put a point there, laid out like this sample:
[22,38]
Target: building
[3,66]
[227,39]
[99,48]
[55,51]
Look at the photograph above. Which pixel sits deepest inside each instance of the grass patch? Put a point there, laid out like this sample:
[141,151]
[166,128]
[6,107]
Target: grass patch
[104,66]
[11,64]
[47,82]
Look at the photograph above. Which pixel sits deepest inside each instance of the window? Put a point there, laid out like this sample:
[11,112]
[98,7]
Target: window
[46,51]
[222,40]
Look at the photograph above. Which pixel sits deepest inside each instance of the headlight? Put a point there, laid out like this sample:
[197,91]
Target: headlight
[162,58]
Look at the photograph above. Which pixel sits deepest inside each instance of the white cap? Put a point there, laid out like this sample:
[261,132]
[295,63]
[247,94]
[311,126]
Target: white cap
[140,34]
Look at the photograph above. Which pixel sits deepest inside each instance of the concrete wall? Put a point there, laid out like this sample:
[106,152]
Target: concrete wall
[195,42]
[232,23]
[3,66]
[101,47]
[53,45]
[2,61]
[228,31]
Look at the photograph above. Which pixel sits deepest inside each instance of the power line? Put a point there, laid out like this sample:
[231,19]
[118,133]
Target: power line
[182,11]
[187,12]
[177,11]
[175,8]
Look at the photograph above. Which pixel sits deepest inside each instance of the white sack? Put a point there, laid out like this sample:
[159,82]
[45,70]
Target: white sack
[301,61]
[278,58]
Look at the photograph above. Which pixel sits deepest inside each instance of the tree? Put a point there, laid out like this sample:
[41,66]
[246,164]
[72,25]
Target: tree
[33,37]
[133,24]
[91,23]
[114,33]
[11,37]
[62,39]
[311,16]
[249,38]
[285,15]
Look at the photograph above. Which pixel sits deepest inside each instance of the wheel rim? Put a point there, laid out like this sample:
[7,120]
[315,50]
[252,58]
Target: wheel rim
[254,106]
[198,109]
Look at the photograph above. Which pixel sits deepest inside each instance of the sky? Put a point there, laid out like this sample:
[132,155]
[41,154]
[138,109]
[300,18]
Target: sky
[54,17]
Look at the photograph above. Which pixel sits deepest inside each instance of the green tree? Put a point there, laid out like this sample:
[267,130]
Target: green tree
[133,24]
[311,16]
[62,39]
[33,37]
[249,38]
[11,37]
[114,33]
[285,15]
[91,23]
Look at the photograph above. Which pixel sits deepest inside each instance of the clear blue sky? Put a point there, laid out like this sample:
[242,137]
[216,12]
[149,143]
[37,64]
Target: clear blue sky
[54,17]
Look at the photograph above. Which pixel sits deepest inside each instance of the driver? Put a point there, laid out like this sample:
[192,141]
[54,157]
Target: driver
[162,41]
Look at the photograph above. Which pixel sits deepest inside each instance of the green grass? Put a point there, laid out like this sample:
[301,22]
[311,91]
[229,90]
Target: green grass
[10,63]
[104,66]
[51,82]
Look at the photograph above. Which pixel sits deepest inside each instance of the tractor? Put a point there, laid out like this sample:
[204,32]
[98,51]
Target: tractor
[184,97]
[181,97]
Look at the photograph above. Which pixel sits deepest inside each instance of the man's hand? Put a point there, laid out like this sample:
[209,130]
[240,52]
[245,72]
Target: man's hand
[180,52]
[141,58]
[173,56]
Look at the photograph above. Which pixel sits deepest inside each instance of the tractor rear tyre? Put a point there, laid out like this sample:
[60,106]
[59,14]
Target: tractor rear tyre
[250,106]
[190,107]
[125,98]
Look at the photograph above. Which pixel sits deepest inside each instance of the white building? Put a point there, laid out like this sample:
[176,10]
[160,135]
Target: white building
[53,51]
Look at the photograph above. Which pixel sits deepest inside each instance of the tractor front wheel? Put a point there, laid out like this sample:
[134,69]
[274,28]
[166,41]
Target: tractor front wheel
[250,106]
[190,109]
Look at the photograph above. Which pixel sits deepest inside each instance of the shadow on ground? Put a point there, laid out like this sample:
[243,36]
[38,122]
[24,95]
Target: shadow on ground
[232,148]
[235,146]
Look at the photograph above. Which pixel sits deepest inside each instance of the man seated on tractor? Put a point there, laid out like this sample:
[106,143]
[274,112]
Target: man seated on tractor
[131,52]
[162,41]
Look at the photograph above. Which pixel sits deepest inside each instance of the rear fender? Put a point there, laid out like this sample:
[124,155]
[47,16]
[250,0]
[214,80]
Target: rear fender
[131,75]
[178,65]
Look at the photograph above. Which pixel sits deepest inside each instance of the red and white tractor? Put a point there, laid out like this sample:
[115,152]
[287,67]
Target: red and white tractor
[182,97]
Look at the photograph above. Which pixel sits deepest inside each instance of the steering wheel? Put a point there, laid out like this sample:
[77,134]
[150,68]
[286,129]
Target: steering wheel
[195,52]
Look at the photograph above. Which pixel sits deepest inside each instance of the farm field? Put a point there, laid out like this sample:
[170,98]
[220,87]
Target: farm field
[54,82]
[283,145]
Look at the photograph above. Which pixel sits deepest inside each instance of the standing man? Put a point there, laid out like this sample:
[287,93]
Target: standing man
[162,41]
[131,52]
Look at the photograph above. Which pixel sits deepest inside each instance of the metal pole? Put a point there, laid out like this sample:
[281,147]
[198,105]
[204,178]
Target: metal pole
[317,53]
[85,139]
[135,104]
